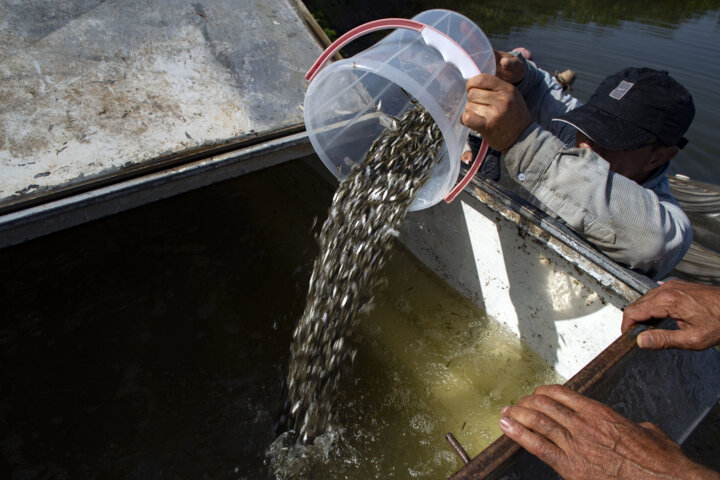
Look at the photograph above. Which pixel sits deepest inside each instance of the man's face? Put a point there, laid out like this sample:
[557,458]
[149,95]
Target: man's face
[636,164]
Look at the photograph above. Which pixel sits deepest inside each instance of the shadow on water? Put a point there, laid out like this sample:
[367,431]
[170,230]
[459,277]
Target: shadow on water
[152,344]
[509,273]
[445,225]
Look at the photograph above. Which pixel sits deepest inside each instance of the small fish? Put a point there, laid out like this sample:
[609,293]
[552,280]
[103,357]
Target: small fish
[355,240]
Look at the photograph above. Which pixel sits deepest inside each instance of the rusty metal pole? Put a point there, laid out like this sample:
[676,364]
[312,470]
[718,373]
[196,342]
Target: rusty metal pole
[458,448]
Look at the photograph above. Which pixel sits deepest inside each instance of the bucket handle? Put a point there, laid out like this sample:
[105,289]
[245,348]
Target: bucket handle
[448,48]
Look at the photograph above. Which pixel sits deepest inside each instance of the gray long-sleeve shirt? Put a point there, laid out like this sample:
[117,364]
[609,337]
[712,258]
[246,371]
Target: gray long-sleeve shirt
[640,226]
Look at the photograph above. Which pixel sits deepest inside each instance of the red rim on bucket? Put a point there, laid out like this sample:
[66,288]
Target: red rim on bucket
[451,51]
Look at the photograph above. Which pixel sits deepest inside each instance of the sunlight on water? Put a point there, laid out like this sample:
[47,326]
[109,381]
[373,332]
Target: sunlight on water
[429,362]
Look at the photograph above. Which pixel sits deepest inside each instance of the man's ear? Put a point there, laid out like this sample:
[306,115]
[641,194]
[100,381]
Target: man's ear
[662,155]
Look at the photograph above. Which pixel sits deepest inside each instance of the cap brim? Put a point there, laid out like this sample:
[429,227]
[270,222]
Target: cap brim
[605,129]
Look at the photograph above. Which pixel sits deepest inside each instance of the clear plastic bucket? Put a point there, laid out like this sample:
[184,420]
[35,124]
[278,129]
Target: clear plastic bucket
[351,101]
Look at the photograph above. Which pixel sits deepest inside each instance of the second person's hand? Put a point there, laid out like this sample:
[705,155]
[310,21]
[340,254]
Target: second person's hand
[693,306]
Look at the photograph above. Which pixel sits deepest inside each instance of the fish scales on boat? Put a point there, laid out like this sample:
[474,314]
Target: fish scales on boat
[354,243]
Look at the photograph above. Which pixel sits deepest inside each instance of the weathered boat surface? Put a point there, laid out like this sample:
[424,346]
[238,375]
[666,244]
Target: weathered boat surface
[93,91]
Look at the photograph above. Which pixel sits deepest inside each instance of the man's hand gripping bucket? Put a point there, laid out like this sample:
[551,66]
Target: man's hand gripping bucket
[351,101]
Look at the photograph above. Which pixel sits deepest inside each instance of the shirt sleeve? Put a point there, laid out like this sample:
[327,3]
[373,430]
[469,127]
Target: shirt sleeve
[631,224]
[546,101]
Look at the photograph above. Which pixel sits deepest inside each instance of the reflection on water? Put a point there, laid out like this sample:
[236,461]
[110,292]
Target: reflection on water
[594,38]
[154,343]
